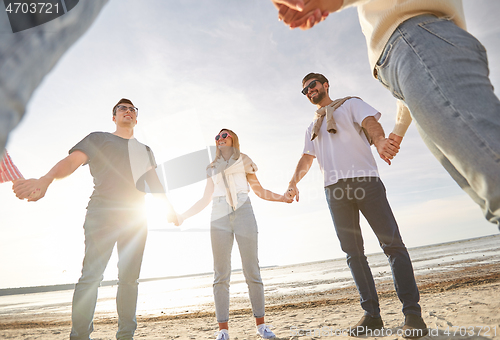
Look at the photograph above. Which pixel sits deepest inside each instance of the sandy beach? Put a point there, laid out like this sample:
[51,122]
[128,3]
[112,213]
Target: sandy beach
[461,304]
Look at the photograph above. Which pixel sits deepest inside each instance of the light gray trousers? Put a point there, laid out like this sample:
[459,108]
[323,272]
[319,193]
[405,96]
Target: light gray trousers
[228,224]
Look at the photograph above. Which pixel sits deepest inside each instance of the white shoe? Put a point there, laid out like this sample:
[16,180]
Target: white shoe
[222,335]
[265,331]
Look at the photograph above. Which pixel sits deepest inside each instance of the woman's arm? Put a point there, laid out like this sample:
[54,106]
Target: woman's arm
[263,193]
[201,204]
[403,119]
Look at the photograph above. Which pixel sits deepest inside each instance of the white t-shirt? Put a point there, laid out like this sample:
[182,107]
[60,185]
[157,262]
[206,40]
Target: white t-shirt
[347,153]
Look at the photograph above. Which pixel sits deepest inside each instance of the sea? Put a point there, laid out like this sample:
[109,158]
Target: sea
[193,293]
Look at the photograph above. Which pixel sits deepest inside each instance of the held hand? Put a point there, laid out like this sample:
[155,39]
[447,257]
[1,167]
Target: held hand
[286,199]
[292,192]
[387,149]
[179,221]
[309,20]
[31,189]
[172,217]
[297,5]
[303,20]
[396,139]
[311,13]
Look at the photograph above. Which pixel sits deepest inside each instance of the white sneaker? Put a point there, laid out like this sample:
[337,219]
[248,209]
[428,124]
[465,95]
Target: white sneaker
[265,331]
[222,335]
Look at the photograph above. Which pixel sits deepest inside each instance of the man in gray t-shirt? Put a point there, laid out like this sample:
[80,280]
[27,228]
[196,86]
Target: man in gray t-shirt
[123,170]
[110,159]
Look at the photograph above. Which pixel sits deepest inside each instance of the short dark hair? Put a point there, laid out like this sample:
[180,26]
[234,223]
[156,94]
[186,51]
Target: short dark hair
[123,100]
[318,76]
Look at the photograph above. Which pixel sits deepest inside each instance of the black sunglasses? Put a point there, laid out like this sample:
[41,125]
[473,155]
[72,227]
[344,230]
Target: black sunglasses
[310,86]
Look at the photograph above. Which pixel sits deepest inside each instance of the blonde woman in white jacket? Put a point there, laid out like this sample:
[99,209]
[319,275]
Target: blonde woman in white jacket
[228,179]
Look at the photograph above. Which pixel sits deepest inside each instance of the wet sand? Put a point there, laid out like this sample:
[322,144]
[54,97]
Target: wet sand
[461,304]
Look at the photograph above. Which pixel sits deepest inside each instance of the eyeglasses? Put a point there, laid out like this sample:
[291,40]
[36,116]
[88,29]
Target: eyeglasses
[310,86]
[126,108]
[222,136]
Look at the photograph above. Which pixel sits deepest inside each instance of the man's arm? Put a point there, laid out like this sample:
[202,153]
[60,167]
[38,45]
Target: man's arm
[34,189]
[264,193]
[158,191]
[303,167]
[171,214]
[386,148]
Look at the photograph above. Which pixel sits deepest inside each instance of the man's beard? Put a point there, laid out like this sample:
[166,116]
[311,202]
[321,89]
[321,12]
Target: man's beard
[321,95]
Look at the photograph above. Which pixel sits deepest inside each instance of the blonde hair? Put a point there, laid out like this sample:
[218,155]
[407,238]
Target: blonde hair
[236,147]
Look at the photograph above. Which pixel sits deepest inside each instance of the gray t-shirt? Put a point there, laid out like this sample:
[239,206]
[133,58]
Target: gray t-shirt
[120,167]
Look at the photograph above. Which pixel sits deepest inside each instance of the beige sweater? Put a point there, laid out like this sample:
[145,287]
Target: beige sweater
[379,19]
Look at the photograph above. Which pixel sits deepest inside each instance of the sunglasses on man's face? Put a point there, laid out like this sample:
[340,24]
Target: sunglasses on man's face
[222,136]
[310,86]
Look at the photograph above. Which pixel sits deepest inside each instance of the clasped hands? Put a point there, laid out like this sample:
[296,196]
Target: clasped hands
[388,148]
[304,14]
[292,192]
[31,189]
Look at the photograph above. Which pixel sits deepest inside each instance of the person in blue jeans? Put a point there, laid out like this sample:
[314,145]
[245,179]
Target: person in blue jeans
[121,167]
[438,72]
[26,57]
[339,137]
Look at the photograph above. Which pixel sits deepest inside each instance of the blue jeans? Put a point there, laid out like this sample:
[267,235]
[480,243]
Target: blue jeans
[128,230]
[441,72]
[228,224]
[27,56]
[346,199]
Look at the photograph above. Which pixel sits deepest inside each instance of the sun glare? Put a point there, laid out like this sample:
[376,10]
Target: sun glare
[156,211]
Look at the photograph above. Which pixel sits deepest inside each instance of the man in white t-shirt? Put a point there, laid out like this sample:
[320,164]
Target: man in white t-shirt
[340,137]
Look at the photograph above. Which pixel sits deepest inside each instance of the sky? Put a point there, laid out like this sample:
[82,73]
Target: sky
[193,68]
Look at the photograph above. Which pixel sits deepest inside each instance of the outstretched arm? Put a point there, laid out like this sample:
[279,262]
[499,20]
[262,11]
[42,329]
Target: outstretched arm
[171,214]
[34,189]
[386,148]
[264,193]
[303,167]
[201,204]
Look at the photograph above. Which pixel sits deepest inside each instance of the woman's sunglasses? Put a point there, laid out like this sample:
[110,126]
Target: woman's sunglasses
[222,136]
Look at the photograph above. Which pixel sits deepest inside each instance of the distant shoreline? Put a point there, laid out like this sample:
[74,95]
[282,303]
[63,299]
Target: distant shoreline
[429,285]
[71,286]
